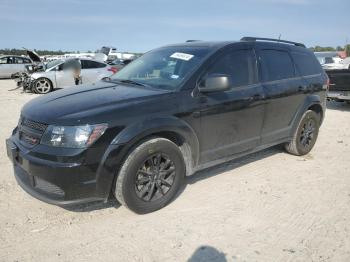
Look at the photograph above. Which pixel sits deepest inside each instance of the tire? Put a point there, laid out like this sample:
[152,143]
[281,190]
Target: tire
[305,135]
[143,189]
[42,86]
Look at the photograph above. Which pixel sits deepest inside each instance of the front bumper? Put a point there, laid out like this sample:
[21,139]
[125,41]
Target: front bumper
[338,95]
[88,179]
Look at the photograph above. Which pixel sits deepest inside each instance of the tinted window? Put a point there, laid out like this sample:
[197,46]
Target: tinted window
[27,61]
[306,64]
[276,65]
[89,64]
[71,64]
[18,60]
[10,60]
[328,60]
[240,65]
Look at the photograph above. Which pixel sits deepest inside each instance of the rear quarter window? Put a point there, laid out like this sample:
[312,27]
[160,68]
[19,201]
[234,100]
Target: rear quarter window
[306,64]
[276,65]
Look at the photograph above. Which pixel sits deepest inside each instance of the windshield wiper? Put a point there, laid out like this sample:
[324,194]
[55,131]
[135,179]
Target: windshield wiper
[128,81]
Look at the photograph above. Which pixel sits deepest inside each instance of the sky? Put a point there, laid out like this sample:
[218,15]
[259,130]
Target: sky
[141,25]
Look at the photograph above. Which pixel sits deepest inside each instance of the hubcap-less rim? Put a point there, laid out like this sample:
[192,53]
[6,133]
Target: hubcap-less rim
[42,86]
[307,133]
[155,177]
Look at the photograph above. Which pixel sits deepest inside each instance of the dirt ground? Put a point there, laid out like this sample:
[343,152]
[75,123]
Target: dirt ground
[270,206]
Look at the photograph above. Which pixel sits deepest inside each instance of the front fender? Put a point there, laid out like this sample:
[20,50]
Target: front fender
[134,133]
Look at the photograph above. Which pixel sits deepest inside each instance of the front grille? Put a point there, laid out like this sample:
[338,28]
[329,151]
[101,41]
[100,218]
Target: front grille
[30,132]
[34,125]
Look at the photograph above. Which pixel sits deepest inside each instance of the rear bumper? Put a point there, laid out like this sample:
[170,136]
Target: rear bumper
[338,95]
[61,183]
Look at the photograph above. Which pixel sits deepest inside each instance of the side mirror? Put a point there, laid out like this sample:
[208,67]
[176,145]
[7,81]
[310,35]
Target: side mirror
[215,83]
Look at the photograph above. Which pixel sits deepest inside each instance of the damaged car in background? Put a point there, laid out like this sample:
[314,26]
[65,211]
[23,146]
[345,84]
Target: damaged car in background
[59,74]
[12,66]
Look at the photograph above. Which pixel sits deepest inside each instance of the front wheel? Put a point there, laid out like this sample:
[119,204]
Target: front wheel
[150,176]
[306,134]
[42,86]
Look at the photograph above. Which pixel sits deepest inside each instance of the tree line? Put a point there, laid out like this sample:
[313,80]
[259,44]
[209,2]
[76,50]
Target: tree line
[15,51]
[330,48]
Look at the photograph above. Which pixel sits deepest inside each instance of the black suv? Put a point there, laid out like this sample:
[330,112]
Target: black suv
[169,113]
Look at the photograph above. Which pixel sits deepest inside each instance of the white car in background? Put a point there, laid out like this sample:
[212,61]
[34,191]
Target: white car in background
[11,64]
[337,63]
[59,74]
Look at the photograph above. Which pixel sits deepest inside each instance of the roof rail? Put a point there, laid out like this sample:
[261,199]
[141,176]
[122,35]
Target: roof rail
[188,41]
[249,38]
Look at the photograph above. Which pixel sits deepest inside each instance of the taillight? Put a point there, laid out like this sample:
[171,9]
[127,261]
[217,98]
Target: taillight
[113,69]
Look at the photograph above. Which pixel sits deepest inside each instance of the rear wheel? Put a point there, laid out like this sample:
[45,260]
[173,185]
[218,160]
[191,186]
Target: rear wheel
[150,176]
[306,134]
[42,86]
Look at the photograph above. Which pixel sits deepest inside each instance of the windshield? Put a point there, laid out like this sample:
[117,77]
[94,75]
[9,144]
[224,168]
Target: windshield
[328,60]
[53,63]
[163,68]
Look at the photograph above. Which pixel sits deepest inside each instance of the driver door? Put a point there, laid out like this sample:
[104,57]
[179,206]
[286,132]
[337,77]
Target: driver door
[231,121]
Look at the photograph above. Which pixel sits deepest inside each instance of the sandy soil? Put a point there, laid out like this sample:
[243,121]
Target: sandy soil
[269,206]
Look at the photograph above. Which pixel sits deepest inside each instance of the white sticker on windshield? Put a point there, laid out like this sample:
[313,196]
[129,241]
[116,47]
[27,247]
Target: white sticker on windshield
[174,76]
[182,56]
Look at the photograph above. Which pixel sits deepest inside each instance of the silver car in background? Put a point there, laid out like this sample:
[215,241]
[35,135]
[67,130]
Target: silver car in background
[58,74]
[11,64]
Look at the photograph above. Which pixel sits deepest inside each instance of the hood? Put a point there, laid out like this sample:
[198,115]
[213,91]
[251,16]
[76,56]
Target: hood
[72,105]
[34,56]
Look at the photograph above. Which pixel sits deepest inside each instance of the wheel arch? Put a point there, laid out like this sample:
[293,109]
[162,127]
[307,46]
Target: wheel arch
[43,77]
[173,129]
[317,108]
[311,102]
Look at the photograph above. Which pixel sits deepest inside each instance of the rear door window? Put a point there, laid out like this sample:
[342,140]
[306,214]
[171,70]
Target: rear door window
[276,65]
[306,64]
[90,64]
[240,65]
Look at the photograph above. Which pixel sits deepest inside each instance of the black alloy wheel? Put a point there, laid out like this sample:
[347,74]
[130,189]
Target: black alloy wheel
[155,177]
[307,133]
[150,176]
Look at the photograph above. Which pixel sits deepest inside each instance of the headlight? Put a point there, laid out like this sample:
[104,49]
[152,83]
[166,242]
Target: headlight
[72,136]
